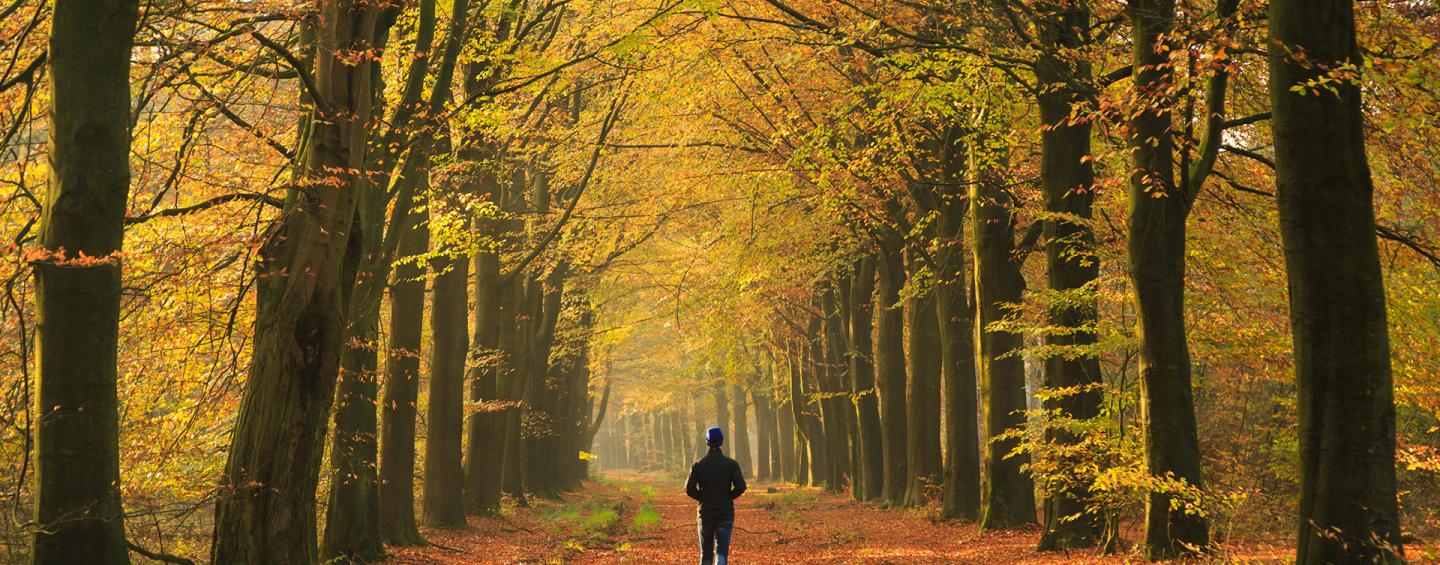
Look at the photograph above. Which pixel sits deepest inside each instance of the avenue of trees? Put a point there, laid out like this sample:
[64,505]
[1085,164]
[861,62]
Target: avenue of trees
[286,281]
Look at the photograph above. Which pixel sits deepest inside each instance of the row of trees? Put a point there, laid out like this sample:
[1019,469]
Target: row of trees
[829,230]
[918,289]
[385,194]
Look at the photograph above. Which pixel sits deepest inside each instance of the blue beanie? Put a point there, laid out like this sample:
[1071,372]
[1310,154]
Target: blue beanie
[714,437]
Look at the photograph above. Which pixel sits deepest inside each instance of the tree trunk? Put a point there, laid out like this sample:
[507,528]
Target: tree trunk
[890,366]
[836,409]
[621,451]
[266,511]
[741,431]
[1007,495]
[1348,508]
[960,497]
[1067,179]
[352,518]
[77,503]
[444,502]
[802,403]
[785,428]
[862,379]
[542,435]
[922,442]
[484,453]
[402,390]
[763,424]
[1157,267]
[512,383]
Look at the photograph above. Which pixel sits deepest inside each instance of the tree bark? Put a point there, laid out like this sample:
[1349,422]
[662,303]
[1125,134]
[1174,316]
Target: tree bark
[484,452]
[1348,510]
[1067,180]
[352,518]
[1158,209]
[1007,494]
[960,497]
[862,379]
[762,436]
[807,422]
[890,365]
[922,442]
[741,430]
[785,428]
[402,389]
[77,503]
[444,502]
[266,509]
[836,408]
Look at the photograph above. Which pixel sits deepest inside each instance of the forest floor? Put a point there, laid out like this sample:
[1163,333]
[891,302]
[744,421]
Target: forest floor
[634,518]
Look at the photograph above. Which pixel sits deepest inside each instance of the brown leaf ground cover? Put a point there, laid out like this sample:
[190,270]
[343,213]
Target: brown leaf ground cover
[631,518]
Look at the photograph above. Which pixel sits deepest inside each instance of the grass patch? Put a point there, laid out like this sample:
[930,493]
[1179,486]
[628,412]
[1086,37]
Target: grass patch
[587,524]
[644,518]
[791,505]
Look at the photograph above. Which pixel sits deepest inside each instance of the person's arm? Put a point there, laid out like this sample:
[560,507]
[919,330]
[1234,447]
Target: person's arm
[737,482]
[692,485]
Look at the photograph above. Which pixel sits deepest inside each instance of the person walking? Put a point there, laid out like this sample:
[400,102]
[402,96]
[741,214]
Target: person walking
[715,481]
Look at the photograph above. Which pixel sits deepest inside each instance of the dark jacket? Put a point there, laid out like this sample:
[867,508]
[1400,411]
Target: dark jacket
[715,480]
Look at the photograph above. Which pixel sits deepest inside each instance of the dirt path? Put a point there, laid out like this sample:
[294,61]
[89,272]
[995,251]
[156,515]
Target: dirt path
[628,518]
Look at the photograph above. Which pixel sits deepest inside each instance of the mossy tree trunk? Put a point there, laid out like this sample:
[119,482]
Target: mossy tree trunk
[837,410]
[77,503]
[1159,206]
[1007,494]
[1348,508]
[399,403]
[266,508]
[784,428]
[960,495]
[741,430]
[807,421]
[871,468]
[890,364]
[1067,180]
[443,501]
[922,443]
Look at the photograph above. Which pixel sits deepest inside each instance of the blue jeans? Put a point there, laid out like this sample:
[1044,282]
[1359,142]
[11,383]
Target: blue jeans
[715,540]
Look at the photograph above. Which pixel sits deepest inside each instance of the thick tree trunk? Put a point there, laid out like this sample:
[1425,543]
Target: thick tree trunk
[77,496]
[1067,180]
[512,385]
[352,518]
[741,430]
[444,502]
[890,366]
[785,429]
[402,390]
[813,449]
[837,410]
[1348,508]
[862,379]
[762,436]
[1007,494]
[922,442]
[407,234]
[266,509]
[1158,209]
[484,452]
[960,497]
[542,437]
